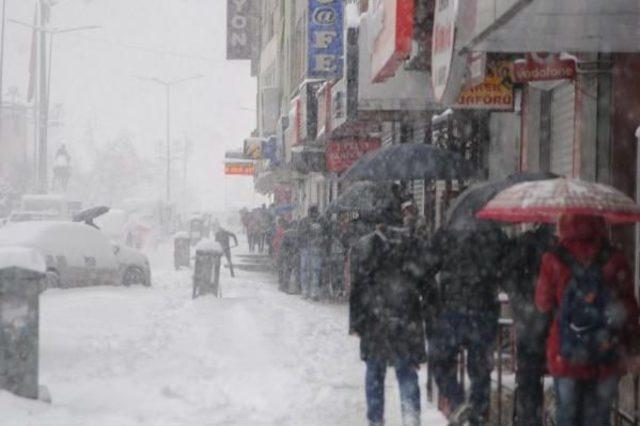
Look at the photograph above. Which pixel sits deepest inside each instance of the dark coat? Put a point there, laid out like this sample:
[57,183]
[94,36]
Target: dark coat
[223,237]
[469,266]
[313,232]
[385,300]
[521,266]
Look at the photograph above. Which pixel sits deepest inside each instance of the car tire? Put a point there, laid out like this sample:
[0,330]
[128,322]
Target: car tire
[134,275]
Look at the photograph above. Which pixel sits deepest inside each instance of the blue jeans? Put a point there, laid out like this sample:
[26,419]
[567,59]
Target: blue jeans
[407,375]
[585,402]
[310,271]
[476,333]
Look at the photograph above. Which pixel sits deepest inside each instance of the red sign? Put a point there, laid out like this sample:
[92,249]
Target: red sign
[393,42]
[240,169]
[543,66]
[342,154]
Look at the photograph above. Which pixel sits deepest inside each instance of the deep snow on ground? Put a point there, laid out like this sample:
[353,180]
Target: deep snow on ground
[153,356]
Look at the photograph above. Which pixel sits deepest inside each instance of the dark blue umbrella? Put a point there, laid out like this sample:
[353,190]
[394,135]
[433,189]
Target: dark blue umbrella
[461,215]
[409,161]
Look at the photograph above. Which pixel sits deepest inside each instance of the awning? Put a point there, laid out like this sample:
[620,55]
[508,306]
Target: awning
[562,26]
[267,182]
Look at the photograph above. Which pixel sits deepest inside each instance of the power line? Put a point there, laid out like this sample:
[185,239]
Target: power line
[146,49]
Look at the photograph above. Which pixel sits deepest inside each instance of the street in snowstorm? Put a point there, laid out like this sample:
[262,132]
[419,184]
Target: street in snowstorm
[155,356]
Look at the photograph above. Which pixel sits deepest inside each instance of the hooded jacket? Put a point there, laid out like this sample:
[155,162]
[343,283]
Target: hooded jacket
[584,237]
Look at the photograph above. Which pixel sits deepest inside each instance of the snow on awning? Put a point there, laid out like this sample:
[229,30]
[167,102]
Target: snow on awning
[559,26]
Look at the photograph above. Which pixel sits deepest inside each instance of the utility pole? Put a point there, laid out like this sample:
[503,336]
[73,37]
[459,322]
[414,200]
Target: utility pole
[44,113]
[168,85]
[4,9]
[44,86]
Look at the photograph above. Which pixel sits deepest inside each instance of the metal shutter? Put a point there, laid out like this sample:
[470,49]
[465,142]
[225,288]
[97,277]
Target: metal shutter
[562,128]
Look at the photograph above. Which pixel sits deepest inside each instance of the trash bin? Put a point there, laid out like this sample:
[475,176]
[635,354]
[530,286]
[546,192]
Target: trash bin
[181,250]
[22,272]
[206,273]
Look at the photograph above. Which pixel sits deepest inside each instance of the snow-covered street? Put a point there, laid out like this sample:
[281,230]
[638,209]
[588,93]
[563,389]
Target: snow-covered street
[153,356]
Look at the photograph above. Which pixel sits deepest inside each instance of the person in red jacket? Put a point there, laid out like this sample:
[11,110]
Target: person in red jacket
[585,390]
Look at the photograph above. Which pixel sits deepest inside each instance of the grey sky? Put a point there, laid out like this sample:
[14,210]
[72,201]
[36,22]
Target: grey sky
[93,77]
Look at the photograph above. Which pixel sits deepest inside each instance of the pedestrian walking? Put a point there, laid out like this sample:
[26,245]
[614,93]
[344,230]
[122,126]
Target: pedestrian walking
[466,317]
[223,237]
[385,312]
[312,236]
[521,266]
[587,285]
[289,261]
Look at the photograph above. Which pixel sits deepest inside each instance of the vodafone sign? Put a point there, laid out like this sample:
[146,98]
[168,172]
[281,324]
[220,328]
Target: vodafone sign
[448,68]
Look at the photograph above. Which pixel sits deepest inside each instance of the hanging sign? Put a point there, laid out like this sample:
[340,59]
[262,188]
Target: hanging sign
[495,92]
[447,67]
[341,154]
[542,67]
[239,29]
[325,39]
[238,168]
[394,38]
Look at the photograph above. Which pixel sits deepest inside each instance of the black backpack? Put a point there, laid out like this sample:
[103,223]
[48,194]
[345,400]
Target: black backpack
[588,331]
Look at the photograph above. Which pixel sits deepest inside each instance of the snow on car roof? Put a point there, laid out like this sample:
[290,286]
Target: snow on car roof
[73,240]
[22,257]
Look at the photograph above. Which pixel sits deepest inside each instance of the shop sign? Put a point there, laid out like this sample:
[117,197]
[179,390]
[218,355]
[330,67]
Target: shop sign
[270,151]
[290,132]
[443,47]
[324,109]
[341,154]
[253,148]
[338,104]
[239,29]
[238,168]
[325,39]
[236,155]
[308,111]
[394,39]
[494,93]
[542,67]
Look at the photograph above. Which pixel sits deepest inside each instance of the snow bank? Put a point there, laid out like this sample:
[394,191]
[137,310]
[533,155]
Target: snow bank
[22,257]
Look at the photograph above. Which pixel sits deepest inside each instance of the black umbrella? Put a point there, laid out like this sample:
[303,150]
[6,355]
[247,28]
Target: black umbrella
[363,197]
[461,215]
[89,214]
[409,161]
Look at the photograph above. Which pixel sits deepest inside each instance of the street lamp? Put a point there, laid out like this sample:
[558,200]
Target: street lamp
[168,84]
[45,81]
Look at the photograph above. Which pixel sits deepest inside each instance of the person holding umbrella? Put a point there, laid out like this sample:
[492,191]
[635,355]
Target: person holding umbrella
[521,266]
[586,286]
[466,318]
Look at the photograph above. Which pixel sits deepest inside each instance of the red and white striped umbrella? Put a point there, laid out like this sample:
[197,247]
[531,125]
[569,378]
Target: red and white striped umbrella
[547,200]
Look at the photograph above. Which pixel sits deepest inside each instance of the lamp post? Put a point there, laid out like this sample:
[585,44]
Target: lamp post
[168,84]
[4,9]
[45,85]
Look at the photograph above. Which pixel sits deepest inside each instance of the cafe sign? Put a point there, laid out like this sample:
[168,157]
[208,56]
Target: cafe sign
[325,39]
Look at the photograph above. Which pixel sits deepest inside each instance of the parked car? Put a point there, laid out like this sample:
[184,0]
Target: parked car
[78,255]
